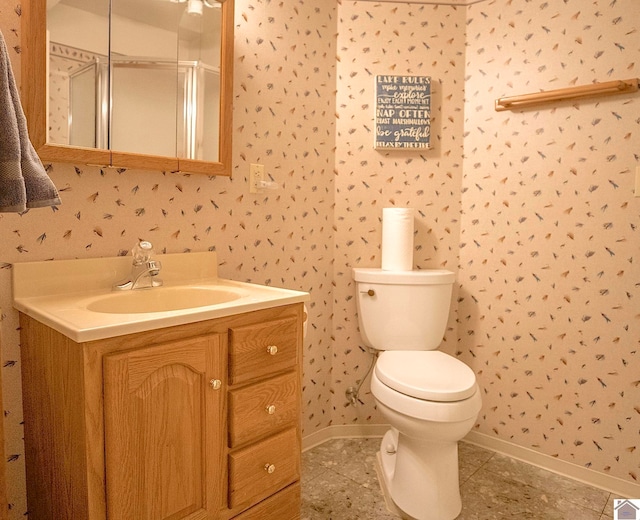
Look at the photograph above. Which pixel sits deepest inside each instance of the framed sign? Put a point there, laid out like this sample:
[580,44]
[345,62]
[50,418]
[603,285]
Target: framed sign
[403,112]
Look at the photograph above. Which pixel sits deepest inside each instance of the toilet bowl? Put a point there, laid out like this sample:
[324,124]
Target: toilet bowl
[430,399]
[419,456]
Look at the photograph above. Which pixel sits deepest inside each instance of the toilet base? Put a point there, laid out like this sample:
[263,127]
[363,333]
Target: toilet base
[419,479]
[388,501]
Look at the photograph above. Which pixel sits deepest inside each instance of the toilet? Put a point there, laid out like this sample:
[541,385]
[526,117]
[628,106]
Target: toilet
[430,399]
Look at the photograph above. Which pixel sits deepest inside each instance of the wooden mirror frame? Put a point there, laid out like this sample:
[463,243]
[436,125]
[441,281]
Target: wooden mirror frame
[34,102]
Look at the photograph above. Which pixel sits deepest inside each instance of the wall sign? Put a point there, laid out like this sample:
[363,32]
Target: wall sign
[403,112]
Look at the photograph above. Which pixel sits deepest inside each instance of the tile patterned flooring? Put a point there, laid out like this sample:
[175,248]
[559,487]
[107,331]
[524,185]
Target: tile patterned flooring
[339,483]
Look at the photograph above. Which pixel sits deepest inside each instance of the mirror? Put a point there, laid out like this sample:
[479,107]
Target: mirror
[130,83]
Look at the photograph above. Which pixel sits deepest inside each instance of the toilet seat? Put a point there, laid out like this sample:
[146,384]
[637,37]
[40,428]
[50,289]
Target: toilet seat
[427,375]
[434,411]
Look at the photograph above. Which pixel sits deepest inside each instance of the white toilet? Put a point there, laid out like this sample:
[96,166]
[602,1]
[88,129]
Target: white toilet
[430,398]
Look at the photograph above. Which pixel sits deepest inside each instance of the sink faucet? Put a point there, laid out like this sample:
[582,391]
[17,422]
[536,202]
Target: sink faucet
[143,271]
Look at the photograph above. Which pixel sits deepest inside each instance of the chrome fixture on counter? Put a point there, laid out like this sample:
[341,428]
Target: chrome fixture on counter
[144,269]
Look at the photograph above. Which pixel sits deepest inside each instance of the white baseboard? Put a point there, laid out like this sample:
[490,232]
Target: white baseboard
[344,431]
[587,476]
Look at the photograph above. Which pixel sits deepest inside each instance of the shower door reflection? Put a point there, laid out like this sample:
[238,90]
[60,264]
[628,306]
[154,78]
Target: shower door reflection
[157,107]
[87,89]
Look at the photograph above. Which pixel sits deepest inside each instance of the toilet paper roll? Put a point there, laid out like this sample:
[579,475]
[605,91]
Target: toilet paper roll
[397,239]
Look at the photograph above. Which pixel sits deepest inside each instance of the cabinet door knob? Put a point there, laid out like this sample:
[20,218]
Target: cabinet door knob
[269,468]
[271,409]
[216,384]
[272,349]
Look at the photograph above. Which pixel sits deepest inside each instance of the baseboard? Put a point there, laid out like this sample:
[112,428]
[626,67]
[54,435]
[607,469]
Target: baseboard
[343,431]
[587,476]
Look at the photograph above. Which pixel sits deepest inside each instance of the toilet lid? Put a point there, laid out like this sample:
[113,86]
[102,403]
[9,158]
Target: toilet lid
[431,375]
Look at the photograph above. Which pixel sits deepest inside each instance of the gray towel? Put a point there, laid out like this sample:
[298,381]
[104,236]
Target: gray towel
[24,183]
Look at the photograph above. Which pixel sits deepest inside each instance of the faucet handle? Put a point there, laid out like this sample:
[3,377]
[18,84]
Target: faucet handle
[142,252]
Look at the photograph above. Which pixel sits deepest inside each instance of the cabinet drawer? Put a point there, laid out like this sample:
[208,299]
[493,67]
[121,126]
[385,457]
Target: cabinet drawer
[263,408]
[264,468]
[260,350]
[284,505]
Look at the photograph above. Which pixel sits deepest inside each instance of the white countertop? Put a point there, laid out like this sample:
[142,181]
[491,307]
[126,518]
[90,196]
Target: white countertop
[57,293]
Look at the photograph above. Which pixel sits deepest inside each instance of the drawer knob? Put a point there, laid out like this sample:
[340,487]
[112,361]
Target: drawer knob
[269,468]
[271,409]
[272,349]
[216,384]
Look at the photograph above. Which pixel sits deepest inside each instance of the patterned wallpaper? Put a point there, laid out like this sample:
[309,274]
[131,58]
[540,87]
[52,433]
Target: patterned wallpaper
[549,251]
[284,118]
[532,208]
[403,39]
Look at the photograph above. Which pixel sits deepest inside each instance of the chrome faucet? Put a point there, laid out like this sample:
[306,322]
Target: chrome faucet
[144,270]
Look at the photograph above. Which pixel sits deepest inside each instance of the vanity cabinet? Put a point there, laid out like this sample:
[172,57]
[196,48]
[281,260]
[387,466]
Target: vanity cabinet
[196,421]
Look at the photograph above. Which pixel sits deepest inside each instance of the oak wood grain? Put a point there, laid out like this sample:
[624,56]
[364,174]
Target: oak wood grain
[64,386]
[249,478]
[248,355]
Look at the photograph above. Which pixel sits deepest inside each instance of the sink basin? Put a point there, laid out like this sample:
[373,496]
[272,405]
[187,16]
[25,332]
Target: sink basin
[75,297]
[161,299]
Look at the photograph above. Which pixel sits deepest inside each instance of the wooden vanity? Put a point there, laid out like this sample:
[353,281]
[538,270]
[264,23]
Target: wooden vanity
[194,421]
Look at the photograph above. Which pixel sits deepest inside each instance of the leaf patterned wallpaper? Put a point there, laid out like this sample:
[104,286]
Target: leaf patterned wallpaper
[534,209]
[549,304]
[284,118]
[403,39]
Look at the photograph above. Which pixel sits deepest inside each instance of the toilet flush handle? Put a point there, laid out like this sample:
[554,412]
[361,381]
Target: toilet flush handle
[370,292]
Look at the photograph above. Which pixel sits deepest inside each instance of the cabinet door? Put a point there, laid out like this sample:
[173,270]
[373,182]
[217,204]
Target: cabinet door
[164,427]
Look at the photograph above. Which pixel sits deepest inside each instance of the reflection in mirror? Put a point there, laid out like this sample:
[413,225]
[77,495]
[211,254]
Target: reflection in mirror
[78,42]
[87,105]
[153,88]
[130,83]
[199,85]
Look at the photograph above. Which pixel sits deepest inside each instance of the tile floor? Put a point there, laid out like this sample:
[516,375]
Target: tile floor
[339,483]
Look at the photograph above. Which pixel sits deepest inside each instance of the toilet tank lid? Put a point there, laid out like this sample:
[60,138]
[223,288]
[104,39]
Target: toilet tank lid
[415,277]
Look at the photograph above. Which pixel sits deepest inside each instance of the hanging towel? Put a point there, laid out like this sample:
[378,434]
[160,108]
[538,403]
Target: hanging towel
[24,183]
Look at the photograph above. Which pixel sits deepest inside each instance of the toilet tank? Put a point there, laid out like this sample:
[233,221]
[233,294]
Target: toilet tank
[403,310]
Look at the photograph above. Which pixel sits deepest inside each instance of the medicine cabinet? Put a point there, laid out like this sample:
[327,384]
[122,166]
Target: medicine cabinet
[130,83]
